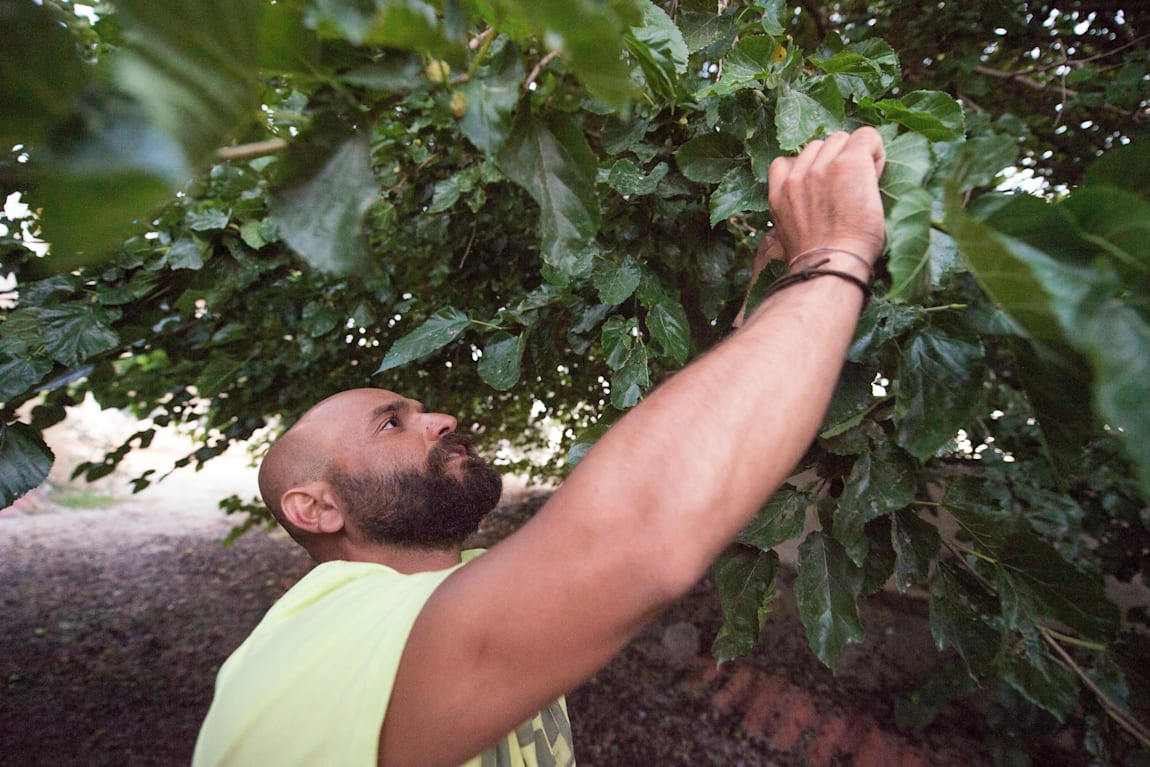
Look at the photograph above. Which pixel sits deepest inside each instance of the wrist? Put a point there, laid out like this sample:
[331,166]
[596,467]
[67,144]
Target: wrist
[839,259]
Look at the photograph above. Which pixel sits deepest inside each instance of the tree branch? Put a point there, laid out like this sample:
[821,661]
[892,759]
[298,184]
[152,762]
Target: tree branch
[1030,82]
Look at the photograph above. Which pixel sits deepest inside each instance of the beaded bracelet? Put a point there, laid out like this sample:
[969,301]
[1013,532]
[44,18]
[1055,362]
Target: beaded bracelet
[810,272]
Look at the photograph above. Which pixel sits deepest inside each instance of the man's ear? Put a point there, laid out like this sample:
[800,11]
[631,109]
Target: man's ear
[312,508]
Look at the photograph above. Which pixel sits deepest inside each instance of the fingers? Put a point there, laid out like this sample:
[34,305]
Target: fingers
[828,194]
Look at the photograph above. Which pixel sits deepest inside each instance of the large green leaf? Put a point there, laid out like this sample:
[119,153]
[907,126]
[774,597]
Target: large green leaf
[40,72]
[590,35]
[658,46]
[321,216]
[24,461]
[908,242]
[192,65]
[935,115]
[501,361]
[808,109]
[826,590]
[615,281]
[752,63]
[939,382]
[440,329]
[1030,669]
[879,483]
[1036,585]
[916,545]
[745,578]
[69,333]
[908,161]
[737,194]
[781,519]
[409,24]
[633,378]
[667,324]
[709,157]
[961,618]
[18,374]
[1117,339]
[491,98]
[550,158]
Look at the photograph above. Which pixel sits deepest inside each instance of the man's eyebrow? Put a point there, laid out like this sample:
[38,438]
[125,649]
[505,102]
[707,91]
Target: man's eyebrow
[394,407]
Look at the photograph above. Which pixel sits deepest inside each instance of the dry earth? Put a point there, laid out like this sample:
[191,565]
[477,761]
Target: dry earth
[115,620]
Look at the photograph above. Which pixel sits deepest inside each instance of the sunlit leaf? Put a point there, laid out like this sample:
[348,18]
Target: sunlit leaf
[807,110]
[616,282]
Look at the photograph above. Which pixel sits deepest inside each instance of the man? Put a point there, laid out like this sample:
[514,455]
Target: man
[390,652]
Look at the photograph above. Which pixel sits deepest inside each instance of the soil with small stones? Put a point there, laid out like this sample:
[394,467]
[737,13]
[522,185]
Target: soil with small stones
[116,620]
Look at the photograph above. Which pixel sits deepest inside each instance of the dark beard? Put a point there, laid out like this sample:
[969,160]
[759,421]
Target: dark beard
[427,509]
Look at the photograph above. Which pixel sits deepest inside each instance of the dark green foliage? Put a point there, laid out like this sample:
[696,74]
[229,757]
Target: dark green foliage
[252,206]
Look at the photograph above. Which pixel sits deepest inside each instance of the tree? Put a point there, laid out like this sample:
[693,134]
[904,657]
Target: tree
[519,212]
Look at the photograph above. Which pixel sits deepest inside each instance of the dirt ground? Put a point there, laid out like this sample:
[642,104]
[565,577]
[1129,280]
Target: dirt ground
[115,620]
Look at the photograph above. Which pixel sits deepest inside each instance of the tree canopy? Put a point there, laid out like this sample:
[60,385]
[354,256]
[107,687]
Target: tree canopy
[530,213]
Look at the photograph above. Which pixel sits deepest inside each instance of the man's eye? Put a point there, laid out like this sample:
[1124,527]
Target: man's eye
[390,423]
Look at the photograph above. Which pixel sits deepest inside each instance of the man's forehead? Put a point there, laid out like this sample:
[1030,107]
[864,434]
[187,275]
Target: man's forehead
[360,403]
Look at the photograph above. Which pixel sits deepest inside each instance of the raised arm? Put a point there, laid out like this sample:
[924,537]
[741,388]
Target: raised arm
[641,518]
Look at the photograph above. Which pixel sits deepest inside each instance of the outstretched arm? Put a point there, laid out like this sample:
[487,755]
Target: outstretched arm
[644,514]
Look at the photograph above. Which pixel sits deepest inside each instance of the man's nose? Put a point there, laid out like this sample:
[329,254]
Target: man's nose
[438,424]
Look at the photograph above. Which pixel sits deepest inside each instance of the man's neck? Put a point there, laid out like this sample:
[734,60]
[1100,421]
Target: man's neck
[407,560]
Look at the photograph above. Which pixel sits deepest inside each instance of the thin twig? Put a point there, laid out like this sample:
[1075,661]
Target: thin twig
[539,68]
[1124,719]
[1030,82]
[251,151]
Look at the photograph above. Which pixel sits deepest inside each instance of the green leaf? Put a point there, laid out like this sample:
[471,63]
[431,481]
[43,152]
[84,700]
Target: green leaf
[1030,669]
[185,253]
[908,161]
[781,519]
[934,114]
[628,179]
[491,98]
[738,193]
[40,72]
[880,482]
[916,546]
[703,29]
[659,47]
[1117,339]
[866,69]
[668,326]
[615,282]
[618,335]
[501,361]
[852,400]
[939,382]
[18,374]
[631,381]
[1054,382]
[808,109]
[959,619]
[752,63]
[408,24]
[881,322]
[286,45]
[438,331]
[550,158]
[192,65]
[826,590]
[1037,585]
[1125,167]
[908,242]
[24,461]
[706,159]
[321,217]
[745,578]
[590,34]
[70,333]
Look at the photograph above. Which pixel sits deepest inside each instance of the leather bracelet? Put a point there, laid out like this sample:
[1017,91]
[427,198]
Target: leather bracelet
[808,273]
[823,249]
